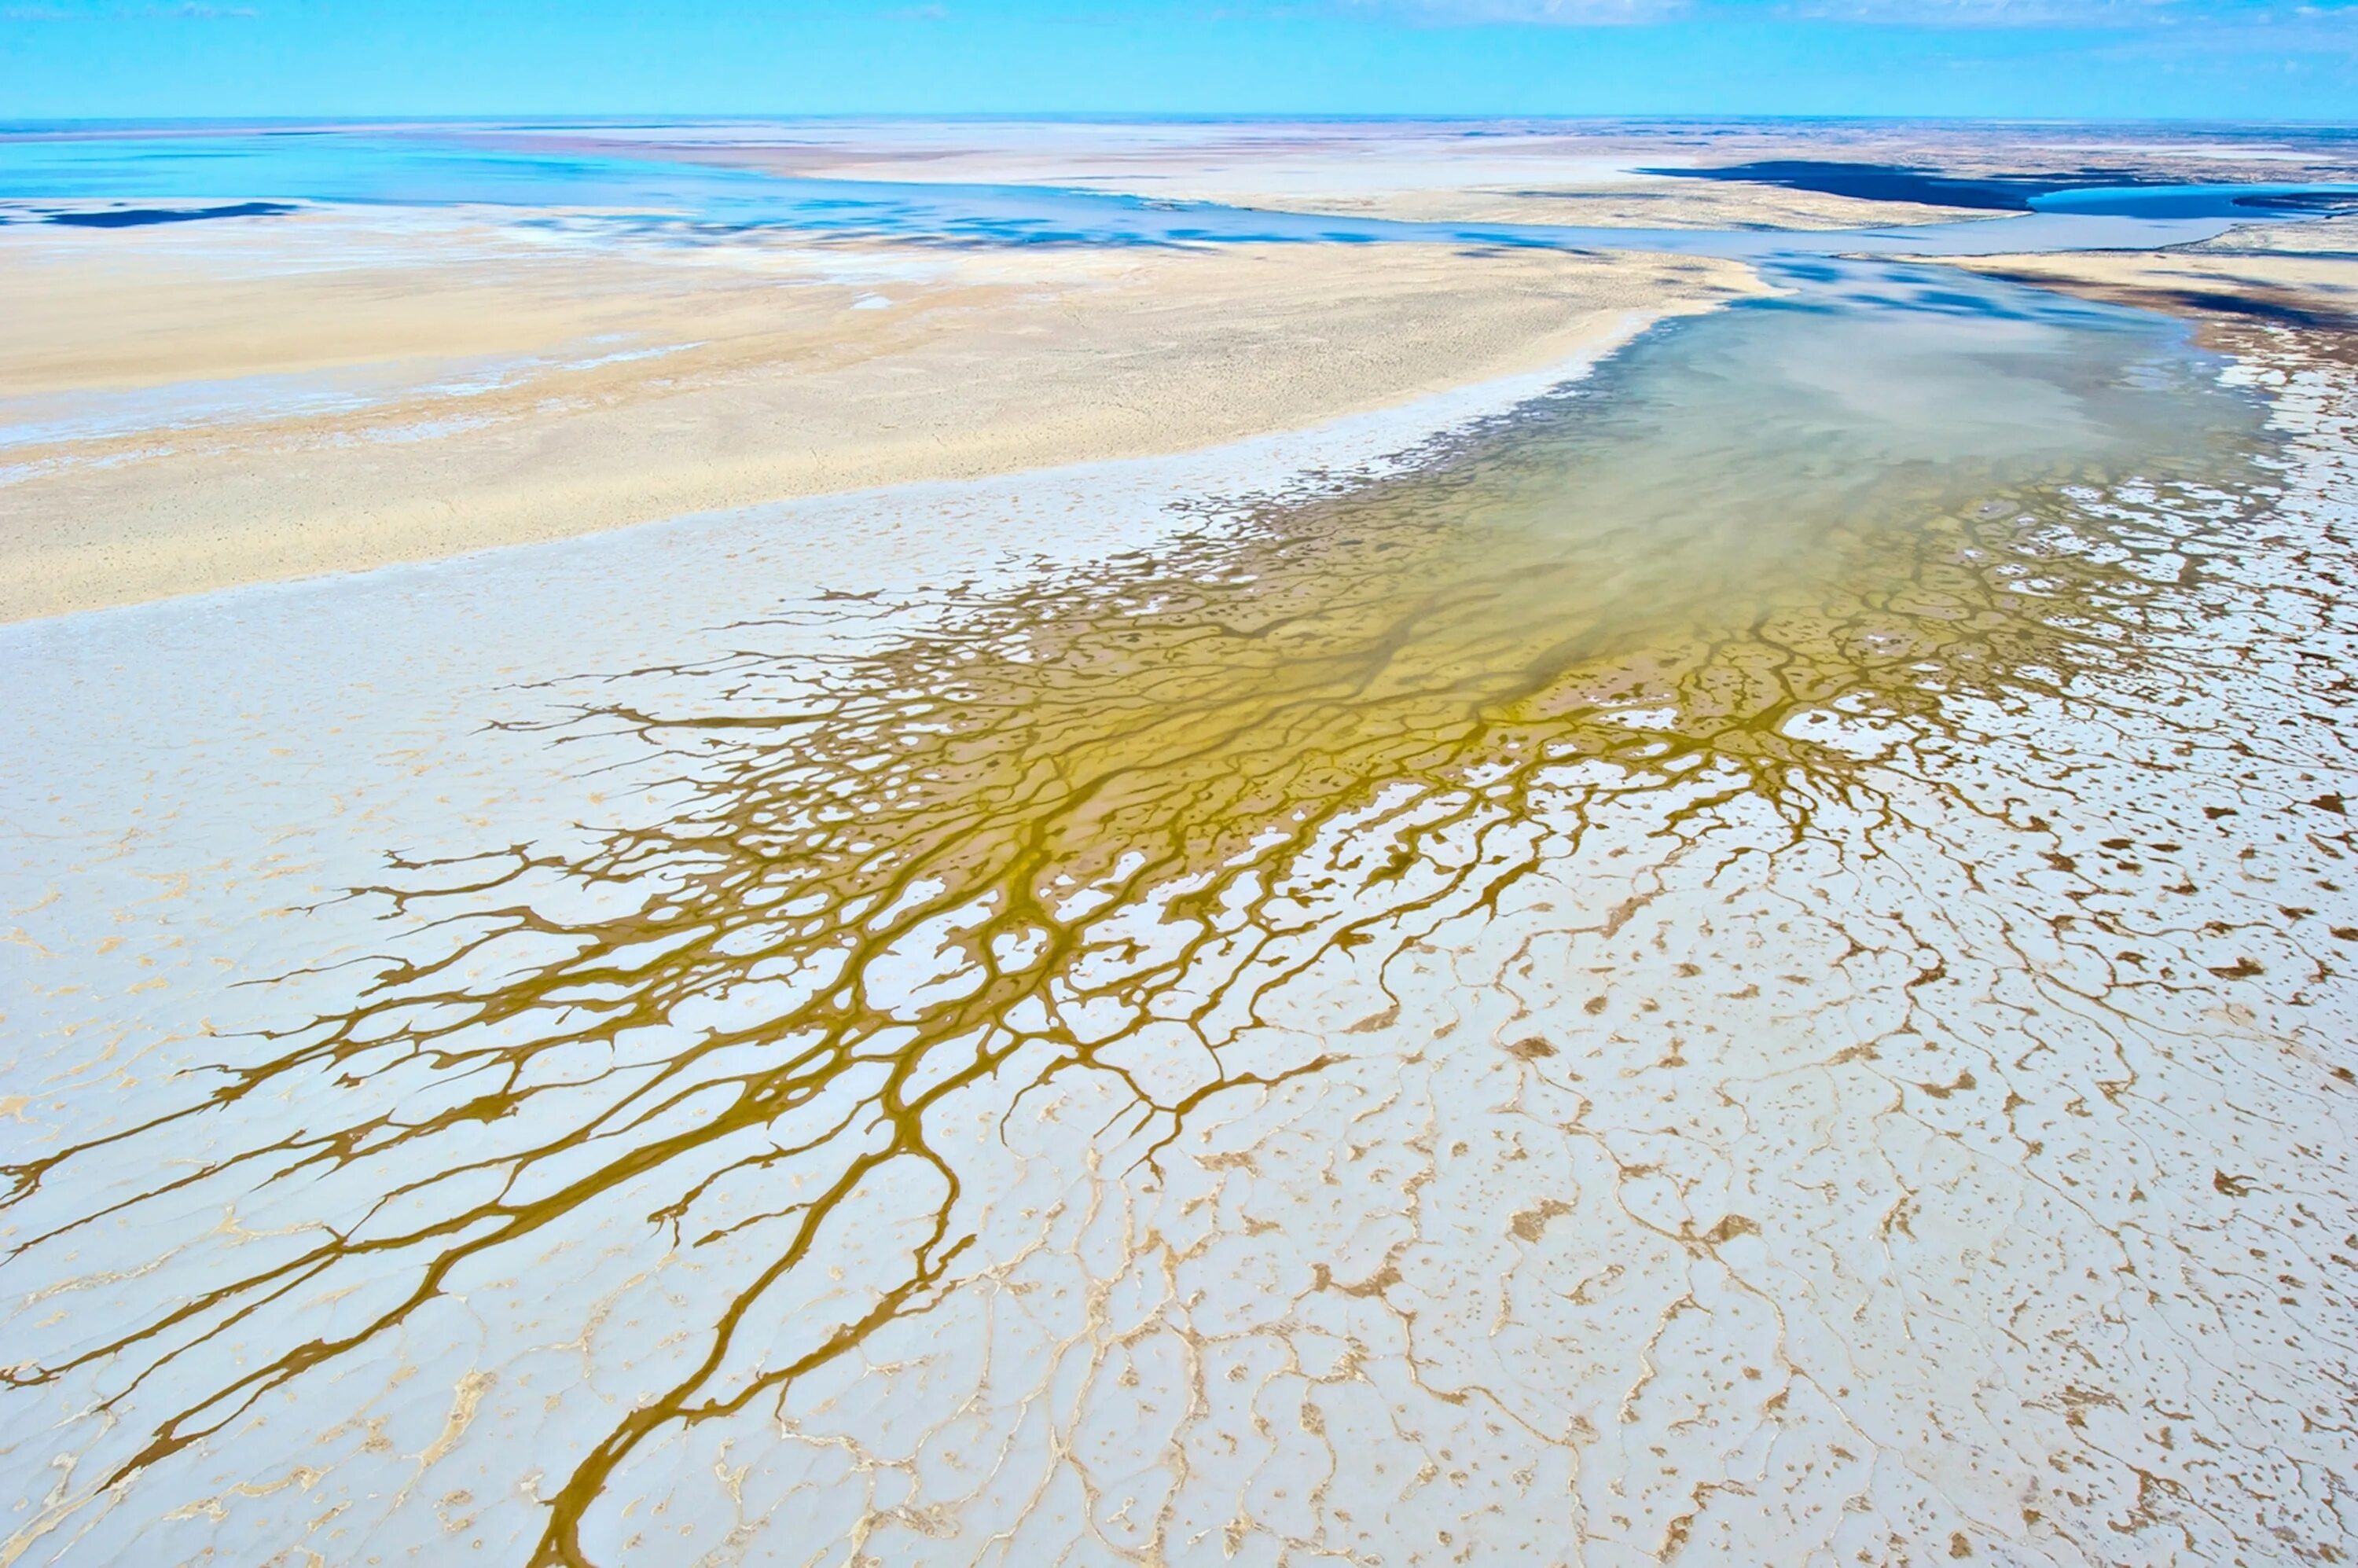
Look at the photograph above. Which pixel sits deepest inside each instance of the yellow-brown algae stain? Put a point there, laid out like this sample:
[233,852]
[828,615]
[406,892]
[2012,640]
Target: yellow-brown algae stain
[1063,820]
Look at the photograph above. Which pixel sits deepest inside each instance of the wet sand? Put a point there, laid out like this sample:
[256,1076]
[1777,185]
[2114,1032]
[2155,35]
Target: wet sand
[278,398]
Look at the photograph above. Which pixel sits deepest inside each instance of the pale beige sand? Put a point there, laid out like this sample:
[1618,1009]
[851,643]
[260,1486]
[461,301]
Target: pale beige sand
[1621,202]
[515,384]
[2315,236]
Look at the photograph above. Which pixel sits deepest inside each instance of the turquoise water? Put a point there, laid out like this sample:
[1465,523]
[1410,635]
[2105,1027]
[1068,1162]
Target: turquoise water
[447,166]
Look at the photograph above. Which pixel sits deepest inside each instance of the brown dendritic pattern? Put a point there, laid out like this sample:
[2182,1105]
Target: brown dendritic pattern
[1423,1025]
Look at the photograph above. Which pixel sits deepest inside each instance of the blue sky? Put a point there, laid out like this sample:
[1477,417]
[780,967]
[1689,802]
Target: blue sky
[2133,59]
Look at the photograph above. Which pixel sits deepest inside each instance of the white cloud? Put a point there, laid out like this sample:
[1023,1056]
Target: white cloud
[2123,14]
[191,11]
[1533,13]
[1986,13]
[2057,13]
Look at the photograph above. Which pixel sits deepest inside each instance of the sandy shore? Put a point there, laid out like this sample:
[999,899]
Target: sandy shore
[194,408]
[2242,276]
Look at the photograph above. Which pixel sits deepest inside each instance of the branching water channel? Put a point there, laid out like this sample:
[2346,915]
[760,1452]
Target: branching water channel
[1088,829]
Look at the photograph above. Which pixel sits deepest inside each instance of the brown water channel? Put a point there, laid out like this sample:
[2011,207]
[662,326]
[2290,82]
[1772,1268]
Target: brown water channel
[1093,828]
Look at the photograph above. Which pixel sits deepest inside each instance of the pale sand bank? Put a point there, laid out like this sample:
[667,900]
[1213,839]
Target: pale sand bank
[2248,276]
[260,402]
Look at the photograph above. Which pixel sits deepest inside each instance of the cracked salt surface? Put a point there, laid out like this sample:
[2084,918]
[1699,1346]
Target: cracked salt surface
[1736,968]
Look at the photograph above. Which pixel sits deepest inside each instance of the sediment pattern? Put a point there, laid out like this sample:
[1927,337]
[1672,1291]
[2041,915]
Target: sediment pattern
[1369,1036]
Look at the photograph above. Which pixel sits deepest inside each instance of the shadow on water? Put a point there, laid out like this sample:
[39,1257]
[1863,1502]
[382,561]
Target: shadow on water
[982,855]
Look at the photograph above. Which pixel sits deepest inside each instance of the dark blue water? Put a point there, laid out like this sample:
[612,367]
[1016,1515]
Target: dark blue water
[2088,191]
[146,217]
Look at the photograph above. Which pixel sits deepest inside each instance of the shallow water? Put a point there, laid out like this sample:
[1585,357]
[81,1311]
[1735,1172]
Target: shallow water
[1743,960]
[447,166]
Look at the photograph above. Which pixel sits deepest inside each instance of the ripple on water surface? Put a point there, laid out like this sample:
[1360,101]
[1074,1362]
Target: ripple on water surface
[1742,960]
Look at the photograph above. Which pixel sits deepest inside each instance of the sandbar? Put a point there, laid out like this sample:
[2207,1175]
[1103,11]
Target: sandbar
[207,406]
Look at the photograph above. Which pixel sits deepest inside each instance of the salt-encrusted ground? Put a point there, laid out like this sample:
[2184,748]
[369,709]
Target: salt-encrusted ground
[1526,1012]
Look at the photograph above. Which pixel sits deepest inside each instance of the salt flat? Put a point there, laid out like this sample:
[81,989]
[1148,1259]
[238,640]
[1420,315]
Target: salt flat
[1221,902]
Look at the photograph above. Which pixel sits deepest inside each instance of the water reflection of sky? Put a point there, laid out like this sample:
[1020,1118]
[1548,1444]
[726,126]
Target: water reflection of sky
[442,170]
